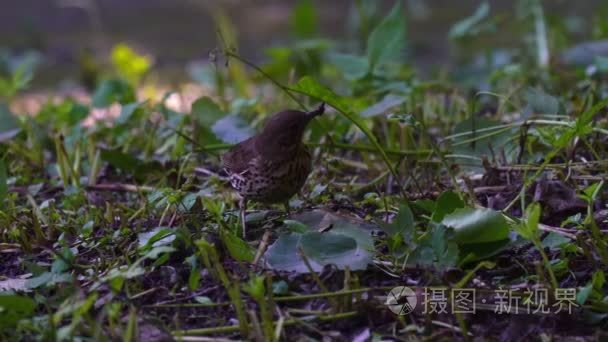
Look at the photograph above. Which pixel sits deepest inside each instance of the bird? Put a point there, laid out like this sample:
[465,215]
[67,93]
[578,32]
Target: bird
[273,165]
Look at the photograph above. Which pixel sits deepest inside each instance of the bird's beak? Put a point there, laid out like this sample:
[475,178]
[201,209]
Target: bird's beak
[320,110]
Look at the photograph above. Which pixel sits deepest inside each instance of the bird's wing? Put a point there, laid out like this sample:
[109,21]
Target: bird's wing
[237,159]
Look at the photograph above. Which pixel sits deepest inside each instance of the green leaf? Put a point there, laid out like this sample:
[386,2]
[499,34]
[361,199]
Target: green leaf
[156,252]
[435,248]
[541,102]
[591,191]
[14,308]
[425,205]
[237,247]
[283,254]
[8,124]
[477,225]
[477,251]
[446,204]
[528,227]
[120,160]
[533,217]
[206,112]
[111,91]
[158,236]
[232,129]
[593,289]
[553,240]
[296,226]
[304,19]
[351,66]
[127,111]
[388,102]
[346,244]
[129,163]
[48,279]
[255,287]
[403,224]
[445,249]
[326,248]
[387,40]
[470,25]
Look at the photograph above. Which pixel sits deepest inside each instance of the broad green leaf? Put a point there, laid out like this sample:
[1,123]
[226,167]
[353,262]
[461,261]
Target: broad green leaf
[446,204]
[161,253]
[425,205]
[326,248]
[206,112]
[444,247]
[123,161]
[48,279]
[304,19]
[345,244]
[232,129]
[127,111]
[553,240]
[471,252]
[470,25]
[296,226]
[528,227]
[541,102]
[14,308]
[477,225]
[351,66]
[387,40]
[111,91]
[158,236]
[129,163]
[8,124]
[595,285]
[390,101]
[435,248]
[237,247]
[283,254]
[403,224]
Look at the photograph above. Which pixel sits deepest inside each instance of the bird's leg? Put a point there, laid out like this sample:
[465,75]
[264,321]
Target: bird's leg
[243,209]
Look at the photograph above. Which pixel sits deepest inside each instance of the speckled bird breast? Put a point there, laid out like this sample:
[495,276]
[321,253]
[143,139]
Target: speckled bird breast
[273,181]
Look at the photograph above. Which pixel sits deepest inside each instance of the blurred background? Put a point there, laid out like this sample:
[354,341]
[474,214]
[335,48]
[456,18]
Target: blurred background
[74,37]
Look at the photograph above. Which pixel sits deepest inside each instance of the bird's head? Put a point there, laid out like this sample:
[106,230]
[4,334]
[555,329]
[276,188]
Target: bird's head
[285,129]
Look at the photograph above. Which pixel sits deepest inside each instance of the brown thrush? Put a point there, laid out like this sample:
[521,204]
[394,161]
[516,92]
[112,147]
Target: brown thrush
[273,165]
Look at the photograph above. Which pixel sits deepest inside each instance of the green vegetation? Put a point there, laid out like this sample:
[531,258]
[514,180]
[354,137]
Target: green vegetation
[116,221]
